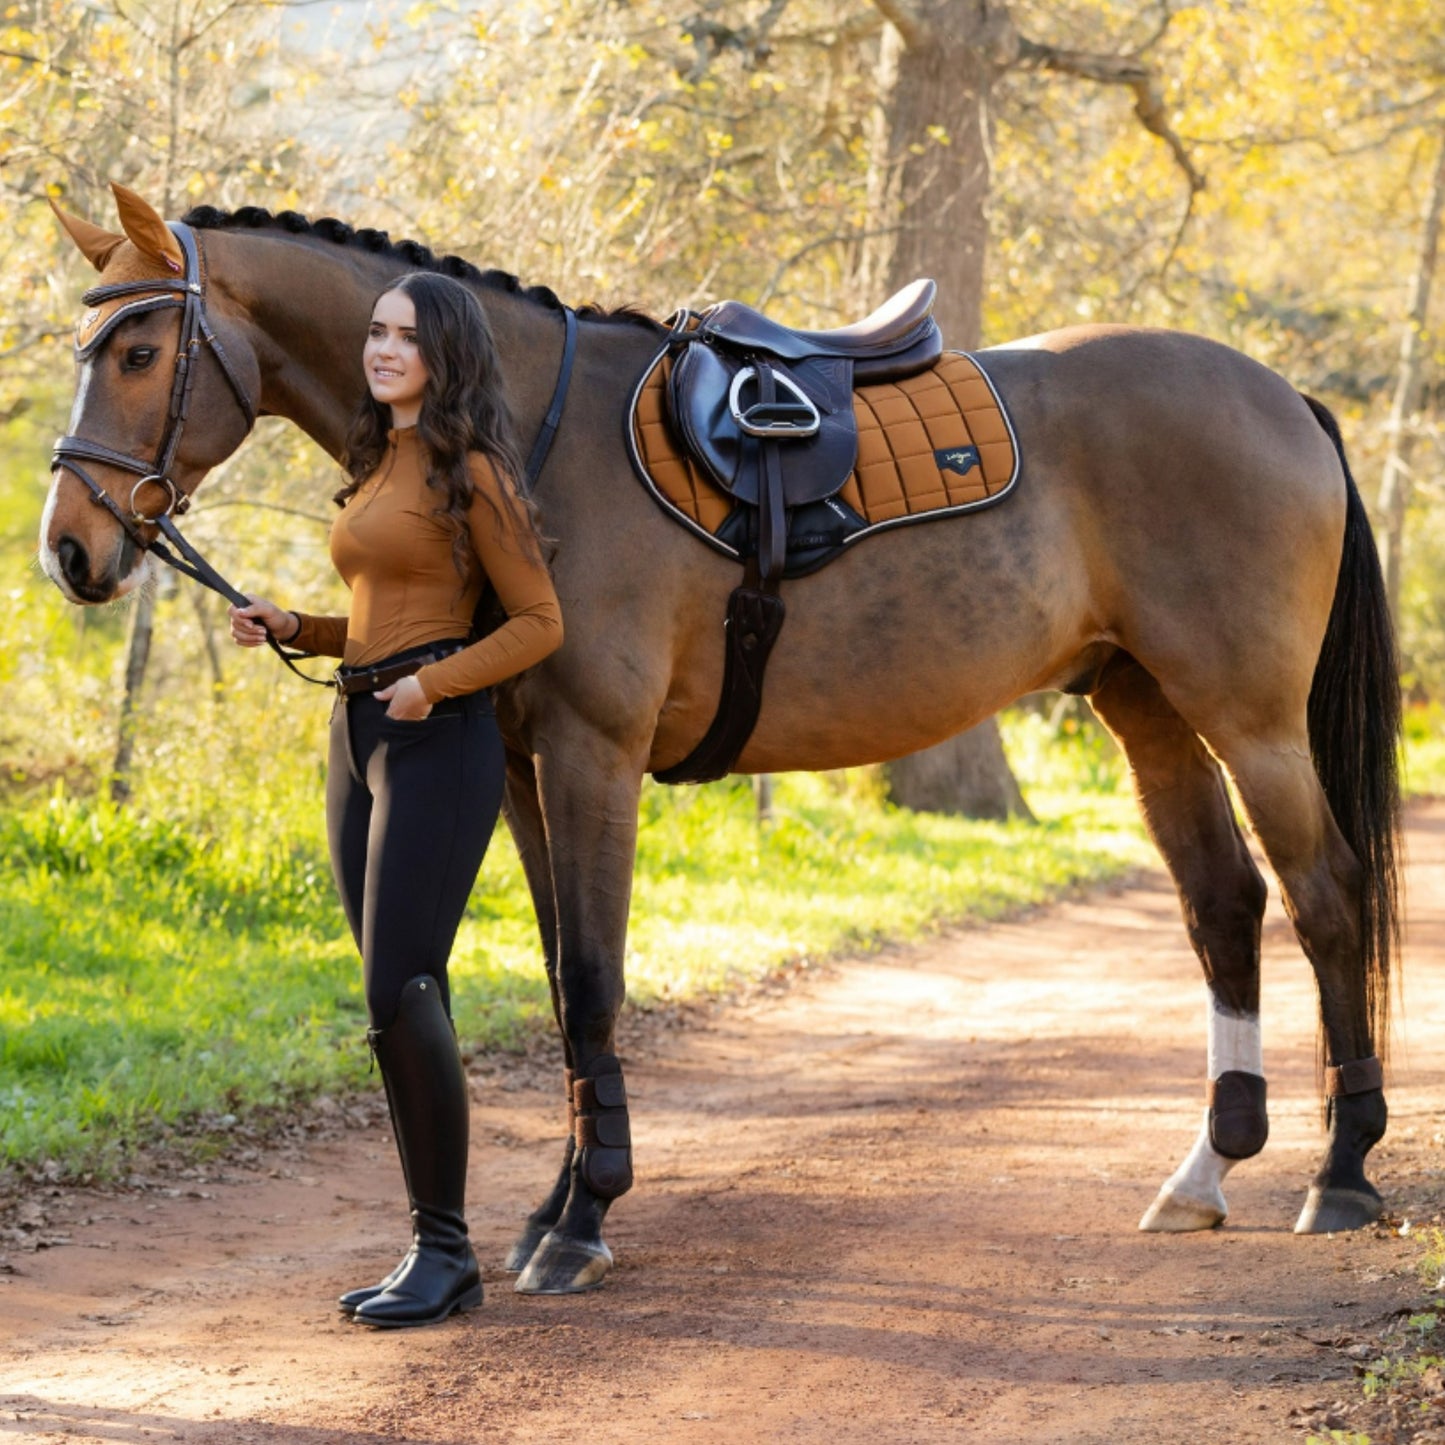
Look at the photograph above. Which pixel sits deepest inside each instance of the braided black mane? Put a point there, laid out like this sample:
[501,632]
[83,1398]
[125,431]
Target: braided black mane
[413,253]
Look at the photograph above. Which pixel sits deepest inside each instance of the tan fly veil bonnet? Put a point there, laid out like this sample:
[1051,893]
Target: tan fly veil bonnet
[146,250]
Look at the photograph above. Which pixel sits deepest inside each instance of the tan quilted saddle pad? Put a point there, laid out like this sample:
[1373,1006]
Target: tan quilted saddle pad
[930,445]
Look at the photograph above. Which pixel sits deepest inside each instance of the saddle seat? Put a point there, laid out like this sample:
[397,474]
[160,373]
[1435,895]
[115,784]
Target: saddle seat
[897,339]
[749,396]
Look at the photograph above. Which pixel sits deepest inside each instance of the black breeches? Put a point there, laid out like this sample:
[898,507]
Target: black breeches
[410,808]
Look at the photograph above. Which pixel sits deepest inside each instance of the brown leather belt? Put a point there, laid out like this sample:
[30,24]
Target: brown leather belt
[350,681]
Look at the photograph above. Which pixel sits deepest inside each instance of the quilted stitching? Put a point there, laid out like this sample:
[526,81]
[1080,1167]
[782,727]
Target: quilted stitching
[672,471]
[900,426]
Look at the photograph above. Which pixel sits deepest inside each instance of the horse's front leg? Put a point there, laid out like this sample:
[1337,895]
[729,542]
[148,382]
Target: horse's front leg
[523,809]
[588,788]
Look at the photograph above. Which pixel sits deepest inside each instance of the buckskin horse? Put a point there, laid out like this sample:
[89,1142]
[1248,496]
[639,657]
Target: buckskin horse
[1185,547]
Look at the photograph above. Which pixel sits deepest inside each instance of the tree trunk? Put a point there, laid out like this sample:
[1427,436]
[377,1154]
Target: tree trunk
[1395,485]
[937,77]
[200,600]
[763,796]
[937,122]
[138,653]
[967,775]
[143,618]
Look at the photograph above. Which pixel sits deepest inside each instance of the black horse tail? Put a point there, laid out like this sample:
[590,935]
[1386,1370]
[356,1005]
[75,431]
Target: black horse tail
[1355,727]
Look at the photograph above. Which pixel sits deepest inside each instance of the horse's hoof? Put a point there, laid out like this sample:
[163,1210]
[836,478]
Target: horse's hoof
[1174,1213]
[565,1266]
[524,1248]
[1328,1211]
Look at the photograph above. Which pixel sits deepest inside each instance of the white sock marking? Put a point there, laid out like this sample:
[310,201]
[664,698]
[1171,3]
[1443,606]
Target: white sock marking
[1235,1042]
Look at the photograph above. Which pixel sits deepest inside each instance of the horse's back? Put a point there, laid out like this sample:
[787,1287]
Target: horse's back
[1208,499]
[1146,390]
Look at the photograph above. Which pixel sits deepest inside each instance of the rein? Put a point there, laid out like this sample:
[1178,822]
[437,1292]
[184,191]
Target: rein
[189,293]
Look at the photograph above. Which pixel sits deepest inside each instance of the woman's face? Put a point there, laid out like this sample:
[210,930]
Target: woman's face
[395,371]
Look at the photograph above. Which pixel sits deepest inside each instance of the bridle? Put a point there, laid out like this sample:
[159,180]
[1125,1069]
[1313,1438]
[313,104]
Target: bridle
[153,294]
[188,292]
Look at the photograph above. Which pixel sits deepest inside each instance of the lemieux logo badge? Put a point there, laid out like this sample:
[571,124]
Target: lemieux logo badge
[956,459]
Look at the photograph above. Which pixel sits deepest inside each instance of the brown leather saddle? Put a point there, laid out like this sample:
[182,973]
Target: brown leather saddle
[765,422]
[767,412]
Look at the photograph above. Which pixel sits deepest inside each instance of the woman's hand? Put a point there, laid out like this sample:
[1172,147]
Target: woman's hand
[249,625]
[406,702]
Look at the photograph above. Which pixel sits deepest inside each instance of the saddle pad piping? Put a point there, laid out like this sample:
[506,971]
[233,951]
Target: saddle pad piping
[645,477]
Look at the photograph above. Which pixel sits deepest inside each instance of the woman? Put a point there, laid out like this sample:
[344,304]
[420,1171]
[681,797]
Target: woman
[430,516]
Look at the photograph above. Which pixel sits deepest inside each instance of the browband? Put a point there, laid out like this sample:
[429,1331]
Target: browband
[124,313]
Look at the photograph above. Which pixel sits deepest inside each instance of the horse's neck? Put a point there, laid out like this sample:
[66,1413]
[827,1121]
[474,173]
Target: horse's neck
[305,304]
[303,308]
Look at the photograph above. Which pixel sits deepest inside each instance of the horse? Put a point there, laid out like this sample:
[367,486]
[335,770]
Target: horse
[1185,547]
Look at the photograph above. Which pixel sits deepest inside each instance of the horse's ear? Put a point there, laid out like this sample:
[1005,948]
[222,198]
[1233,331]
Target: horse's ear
[148,233]
[96,244]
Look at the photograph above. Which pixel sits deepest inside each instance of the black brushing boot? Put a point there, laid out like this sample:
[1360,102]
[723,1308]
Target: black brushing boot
[426,1087]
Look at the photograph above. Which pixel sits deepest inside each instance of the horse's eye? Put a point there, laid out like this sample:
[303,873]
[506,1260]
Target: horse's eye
[138,358]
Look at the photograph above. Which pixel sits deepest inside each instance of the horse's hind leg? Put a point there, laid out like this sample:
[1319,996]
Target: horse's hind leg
[1321,881]
[1187,810]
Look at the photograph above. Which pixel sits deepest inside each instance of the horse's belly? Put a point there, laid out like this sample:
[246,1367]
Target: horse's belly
[914,638]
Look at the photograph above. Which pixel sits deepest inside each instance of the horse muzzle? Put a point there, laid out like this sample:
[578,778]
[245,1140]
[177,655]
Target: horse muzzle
[92,570]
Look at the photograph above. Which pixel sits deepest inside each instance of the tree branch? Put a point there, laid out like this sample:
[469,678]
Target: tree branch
[1166,14]
[34,339]
[788,262]
[711,37]
[1403,117]
[1126,70]
[220,502]
[917,33]
[830,37]
[39,60]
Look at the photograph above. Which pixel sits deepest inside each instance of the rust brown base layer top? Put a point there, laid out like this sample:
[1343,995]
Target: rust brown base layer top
[901,425]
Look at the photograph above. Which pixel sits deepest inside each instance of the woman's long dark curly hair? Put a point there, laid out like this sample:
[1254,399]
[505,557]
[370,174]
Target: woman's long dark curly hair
[463,410]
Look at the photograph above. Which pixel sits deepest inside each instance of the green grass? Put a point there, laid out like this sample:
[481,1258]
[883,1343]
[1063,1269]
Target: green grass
[152,971]
[185,958]
[1424,762]
[1403,1381]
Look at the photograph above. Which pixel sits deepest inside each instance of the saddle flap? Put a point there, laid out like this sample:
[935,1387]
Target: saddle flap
[813,467]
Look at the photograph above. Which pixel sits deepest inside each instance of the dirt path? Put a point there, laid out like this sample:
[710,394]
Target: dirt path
[894,1202]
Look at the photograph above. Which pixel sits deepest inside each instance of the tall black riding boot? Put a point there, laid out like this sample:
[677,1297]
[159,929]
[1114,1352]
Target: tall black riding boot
[349,1302]
[427,1088]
